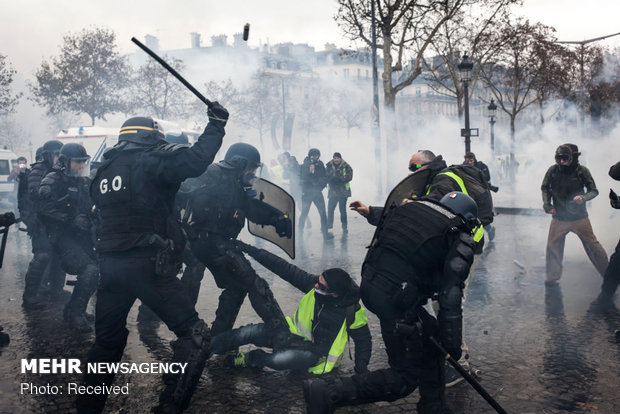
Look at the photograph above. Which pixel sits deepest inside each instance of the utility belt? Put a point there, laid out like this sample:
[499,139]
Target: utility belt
[168,261]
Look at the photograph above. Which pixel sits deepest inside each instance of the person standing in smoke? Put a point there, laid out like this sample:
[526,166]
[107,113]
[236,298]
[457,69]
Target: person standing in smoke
[218,209]
[611,279]
[313,181]
[339,176]
[44,256]
[66,211]
[139,244]
[422,249]
[470,159]
[565,199]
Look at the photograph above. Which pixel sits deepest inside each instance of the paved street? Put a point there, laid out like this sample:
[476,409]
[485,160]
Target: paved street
[539,350]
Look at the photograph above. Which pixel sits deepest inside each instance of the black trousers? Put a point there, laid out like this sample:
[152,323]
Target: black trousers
[44,259]
[234,274]
[307,199]
[126,277]
[612,275]
[341,202]
[413,361]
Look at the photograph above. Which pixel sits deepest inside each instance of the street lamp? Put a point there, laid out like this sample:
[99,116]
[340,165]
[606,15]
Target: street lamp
[465,69]
[376,124]
[492,113]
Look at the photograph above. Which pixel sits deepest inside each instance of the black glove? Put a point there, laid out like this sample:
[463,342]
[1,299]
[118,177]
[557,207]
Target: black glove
[217,113]
[613,199]
[493,188]
[284,226]
[244,247]
[81,222]
[430,326]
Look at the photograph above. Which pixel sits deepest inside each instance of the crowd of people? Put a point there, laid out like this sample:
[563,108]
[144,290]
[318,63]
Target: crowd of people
[126,228]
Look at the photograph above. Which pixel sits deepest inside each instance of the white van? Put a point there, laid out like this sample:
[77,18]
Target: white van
[8,161]
[95,139]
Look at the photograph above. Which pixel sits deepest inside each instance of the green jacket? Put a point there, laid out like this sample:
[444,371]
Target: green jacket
[560,186]
[338,178]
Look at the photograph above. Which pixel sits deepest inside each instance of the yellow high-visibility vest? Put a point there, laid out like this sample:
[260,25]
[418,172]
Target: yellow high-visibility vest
[301,324]
[478,231]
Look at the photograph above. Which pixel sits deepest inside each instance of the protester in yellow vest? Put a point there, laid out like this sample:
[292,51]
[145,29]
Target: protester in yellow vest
[326,316]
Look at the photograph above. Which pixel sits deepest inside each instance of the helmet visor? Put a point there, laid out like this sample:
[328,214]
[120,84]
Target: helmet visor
[79,167]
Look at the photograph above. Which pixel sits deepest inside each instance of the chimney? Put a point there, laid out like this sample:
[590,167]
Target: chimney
[195,40]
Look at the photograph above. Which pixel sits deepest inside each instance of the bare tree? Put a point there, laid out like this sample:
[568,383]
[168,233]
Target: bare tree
[260,103]
[473,31]
[517,72]
[8,100]
[349,109]
[88,76]
[157,92]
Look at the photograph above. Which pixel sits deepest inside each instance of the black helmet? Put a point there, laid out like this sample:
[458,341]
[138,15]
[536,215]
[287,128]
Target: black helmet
[314,151]
[141,130]
[73,151]
[177,138]
[242,155]
[50,149]
[461,204]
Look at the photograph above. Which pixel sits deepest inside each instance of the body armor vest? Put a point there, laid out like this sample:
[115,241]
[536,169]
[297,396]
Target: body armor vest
[409,227]
[130,203]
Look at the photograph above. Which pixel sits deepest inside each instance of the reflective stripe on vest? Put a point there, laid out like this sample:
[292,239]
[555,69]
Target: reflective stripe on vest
[478,232]
[302,326]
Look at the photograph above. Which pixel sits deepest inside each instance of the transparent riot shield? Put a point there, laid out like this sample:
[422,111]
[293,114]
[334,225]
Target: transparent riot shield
[277,197]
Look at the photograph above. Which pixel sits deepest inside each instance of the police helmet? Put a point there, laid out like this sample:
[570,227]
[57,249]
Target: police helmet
[50,149]
[141,130]
[242,155]
[461,204]
[73,151]
[177,138]
[315,152]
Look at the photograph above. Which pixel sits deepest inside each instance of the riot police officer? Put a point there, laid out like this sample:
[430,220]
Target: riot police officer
[66,212]
[139,244]
[43,254]
[423,248]
[219,209]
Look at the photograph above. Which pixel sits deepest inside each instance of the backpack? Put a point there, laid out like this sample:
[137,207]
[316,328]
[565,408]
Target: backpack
[477,188]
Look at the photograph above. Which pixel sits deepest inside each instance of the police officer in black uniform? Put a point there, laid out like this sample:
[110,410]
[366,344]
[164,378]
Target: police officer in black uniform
[66,211]
[423,248]
[139,244]
[43,254]
[219,209]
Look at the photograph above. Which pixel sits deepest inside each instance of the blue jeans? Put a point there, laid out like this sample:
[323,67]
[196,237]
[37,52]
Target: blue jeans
[298,354]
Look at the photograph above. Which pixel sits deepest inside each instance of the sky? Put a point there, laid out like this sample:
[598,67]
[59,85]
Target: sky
[32,30]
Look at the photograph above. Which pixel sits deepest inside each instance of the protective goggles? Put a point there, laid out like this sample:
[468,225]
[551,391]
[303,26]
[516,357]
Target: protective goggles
[416,167]
[563,157]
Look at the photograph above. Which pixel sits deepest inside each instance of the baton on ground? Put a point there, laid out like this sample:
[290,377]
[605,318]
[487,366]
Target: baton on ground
[172,71]
[468,377]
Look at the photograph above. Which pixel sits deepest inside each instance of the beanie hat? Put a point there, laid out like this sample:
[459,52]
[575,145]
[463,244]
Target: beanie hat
[564,149]
[337,154]
[338,281]
[574,149]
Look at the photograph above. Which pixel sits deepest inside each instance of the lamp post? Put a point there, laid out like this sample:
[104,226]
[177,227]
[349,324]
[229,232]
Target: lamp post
[376,125]
[465,68]
[30,149]
[492,113]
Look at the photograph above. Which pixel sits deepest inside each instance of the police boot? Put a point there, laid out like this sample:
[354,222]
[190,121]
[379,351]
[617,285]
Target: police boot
[31,302]
[194,350]
[324,396]
[76,319]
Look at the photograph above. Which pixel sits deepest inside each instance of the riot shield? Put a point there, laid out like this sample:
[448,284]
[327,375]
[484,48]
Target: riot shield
[412,186]
[277,197]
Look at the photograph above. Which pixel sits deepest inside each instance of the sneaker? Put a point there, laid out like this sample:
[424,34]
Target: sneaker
[235,361]
[452,376]
[328,236]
